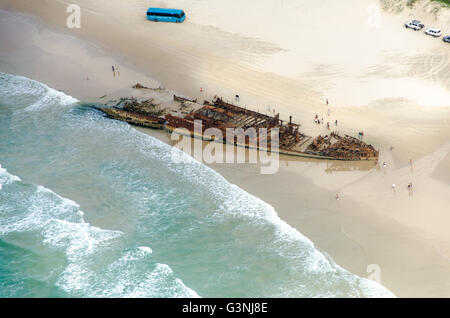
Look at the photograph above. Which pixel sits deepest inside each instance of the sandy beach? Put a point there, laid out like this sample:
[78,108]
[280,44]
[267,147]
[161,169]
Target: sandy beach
[392,83]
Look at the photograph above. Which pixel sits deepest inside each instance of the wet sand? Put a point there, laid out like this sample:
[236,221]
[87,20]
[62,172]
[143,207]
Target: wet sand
[406,235]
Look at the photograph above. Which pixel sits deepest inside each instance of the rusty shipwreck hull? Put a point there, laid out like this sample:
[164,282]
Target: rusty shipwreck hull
[134,118]
[310,155]
[221,115]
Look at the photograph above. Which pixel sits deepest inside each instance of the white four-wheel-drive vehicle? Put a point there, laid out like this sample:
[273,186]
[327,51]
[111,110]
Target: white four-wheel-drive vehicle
[434,32]
[414,24]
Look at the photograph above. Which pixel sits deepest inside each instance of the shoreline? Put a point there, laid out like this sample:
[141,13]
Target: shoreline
[351,231]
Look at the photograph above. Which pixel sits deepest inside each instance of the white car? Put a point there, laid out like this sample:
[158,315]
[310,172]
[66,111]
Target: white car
[416,25]
[434,32]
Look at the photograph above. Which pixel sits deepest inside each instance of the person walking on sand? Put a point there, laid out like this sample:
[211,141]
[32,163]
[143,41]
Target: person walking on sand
[328,125]
[113,70]
[335,123]
[338,196]
[236,97]
[327,101]
[361,135]
[201,89]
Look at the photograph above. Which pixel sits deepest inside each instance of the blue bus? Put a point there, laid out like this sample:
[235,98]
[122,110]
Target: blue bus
[166,15]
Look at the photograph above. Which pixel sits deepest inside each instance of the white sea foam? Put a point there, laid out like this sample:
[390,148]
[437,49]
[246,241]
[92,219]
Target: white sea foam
[59,223]
[237,202]
[131,275]
[50,98]
[77,240]
[62,227]
[34,209]
[7,178]
[146,249]
[19,88]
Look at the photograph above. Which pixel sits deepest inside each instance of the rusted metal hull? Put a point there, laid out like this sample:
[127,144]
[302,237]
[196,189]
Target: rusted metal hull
[134,118]
[193,134]
[221,115]
[183,99]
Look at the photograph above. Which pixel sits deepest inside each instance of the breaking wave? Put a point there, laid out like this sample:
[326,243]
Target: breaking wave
[57,225]
[220,240]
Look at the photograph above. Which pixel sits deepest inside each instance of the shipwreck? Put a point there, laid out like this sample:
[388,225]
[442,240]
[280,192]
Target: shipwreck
[223,115]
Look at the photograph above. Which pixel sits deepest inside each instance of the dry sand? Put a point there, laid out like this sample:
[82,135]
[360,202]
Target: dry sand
[390,82]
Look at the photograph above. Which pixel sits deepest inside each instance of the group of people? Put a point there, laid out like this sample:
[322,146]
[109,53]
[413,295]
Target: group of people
[394,186]
[409,186]
[317,120]
[321,121]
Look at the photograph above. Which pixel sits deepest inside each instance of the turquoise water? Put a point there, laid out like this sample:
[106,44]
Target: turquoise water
[90,207]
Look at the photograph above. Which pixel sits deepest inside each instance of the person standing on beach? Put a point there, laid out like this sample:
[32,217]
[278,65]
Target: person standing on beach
[201,89]
[114,71]
[236,97]
[327,101]
[335,122]
[410,188]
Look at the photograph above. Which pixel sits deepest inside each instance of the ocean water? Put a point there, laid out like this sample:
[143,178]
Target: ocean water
[90,207]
